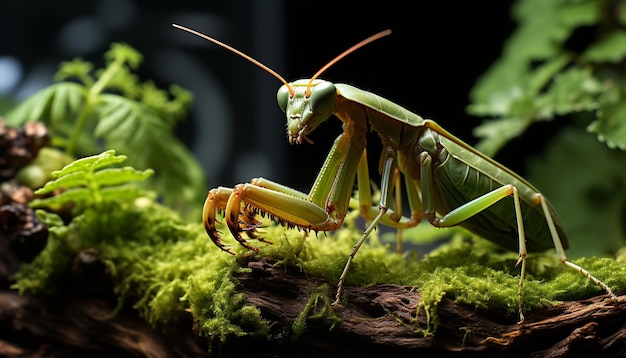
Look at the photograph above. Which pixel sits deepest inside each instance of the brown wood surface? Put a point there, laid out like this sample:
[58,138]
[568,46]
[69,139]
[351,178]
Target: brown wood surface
[374,320]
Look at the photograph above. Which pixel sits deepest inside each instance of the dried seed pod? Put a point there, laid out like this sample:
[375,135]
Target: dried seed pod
[19,146]
[26,235]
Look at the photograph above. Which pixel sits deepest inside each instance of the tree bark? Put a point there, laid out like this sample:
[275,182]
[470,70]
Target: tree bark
[373,320]
[72,327]
[385,319]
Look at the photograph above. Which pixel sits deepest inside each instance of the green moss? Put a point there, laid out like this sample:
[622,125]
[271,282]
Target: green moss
[325,255]
[40,276]
[216,305]
[470,270]
[167,269]
[163,266]
[318,307]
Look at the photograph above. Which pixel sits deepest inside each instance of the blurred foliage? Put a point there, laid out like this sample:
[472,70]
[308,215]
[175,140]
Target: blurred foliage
[566,62]
[90,110]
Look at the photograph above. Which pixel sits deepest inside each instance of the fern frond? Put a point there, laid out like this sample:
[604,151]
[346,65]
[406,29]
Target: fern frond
[84,182]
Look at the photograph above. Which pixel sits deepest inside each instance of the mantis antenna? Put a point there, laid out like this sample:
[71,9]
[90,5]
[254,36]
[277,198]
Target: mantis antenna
[232,49]
[344,54]
[274,73]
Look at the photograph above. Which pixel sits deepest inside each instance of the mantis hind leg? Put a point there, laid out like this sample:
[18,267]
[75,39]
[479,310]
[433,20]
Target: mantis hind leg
[561,252]
[481,203]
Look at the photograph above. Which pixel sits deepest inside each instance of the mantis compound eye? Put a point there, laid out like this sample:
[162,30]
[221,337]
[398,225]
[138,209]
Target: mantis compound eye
[283,97]
[323,96]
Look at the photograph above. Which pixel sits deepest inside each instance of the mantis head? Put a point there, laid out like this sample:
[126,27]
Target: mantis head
[310,104]
[307,103]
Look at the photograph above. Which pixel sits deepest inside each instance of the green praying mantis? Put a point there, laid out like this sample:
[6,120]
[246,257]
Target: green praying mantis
[446,180]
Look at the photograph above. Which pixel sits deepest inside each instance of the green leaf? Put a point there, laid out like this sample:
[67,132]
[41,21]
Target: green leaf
[171,110]
[573,90]
[77,68]
[125,82]
[131,127]
[516,87]
[610,126]
[543,27]
[52,105]
[134,118]
[518,100]
[120,118]
[124,53]
[611,48]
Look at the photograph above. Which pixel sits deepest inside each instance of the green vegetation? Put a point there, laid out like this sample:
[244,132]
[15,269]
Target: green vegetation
[164,265]
[164,268]
[160,264]
[564,62]
[89,110]
[85,183]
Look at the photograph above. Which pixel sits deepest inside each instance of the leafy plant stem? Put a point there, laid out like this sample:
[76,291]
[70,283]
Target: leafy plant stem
[78,126]
[91,97]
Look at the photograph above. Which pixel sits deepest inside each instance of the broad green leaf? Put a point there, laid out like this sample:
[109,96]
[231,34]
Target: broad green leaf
[115,112]
[124,121]
[518,100]
[573,90]
[67,99]
[611,48]
[178,172]
[54,104]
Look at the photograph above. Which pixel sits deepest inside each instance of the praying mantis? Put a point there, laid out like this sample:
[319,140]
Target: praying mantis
[447,181]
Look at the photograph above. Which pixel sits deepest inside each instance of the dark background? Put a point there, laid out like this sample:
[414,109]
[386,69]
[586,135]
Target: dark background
[429,64]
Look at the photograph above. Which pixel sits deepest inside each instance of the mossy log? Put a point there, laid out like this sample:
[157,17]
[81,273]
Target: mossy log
[385,319]
[372,320]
